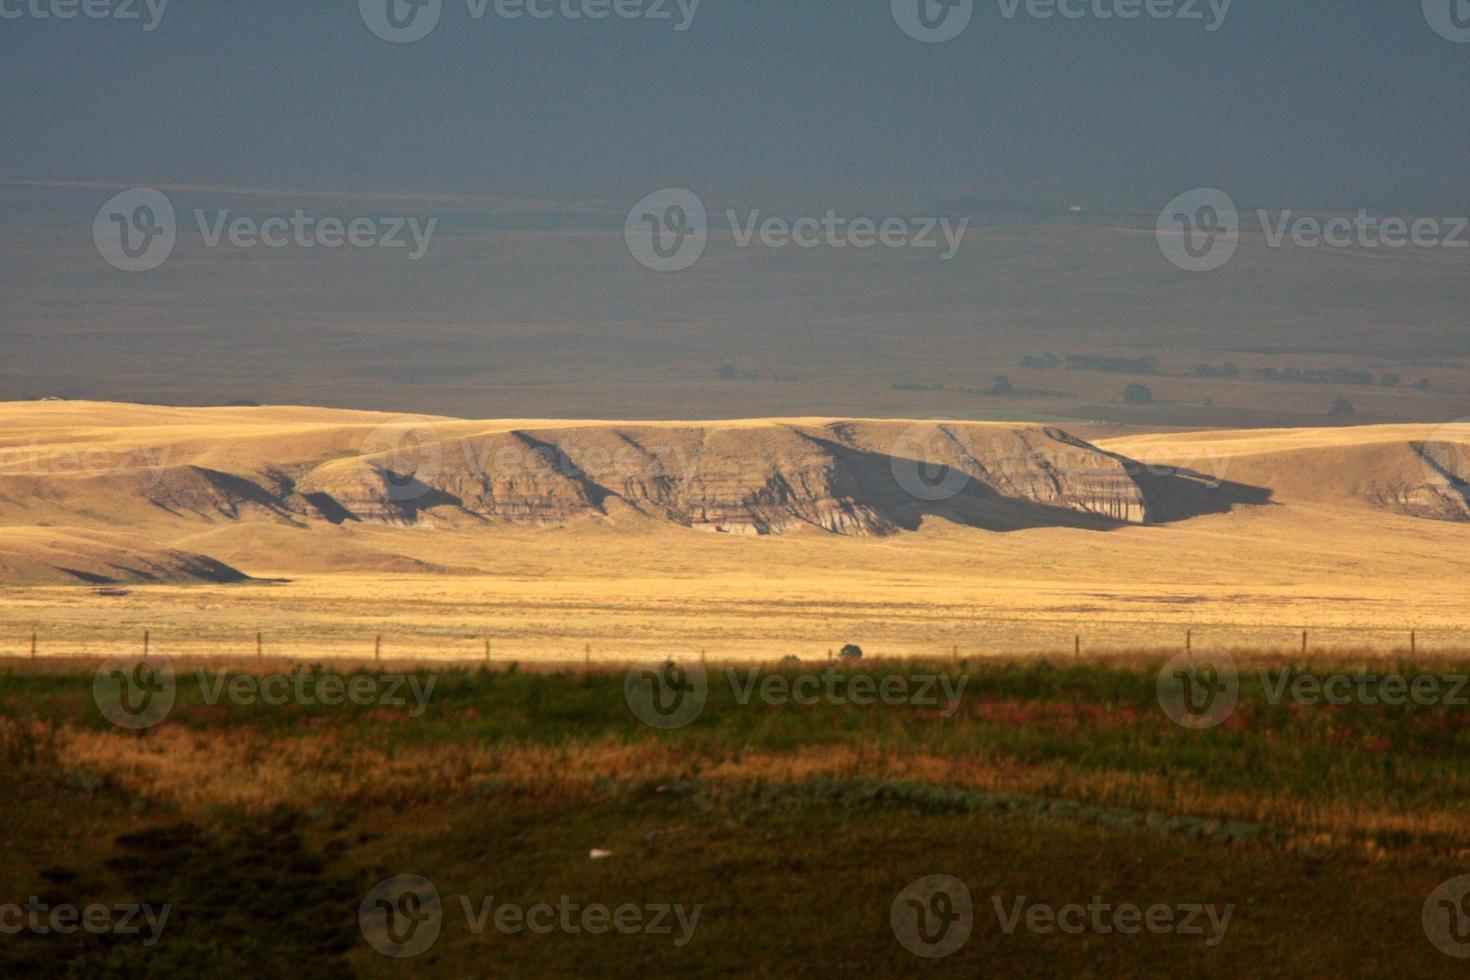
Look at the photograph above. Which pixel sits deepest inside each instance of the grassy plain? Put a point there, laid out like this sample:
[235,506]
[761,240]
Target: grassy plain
[794,827]
[1322,553]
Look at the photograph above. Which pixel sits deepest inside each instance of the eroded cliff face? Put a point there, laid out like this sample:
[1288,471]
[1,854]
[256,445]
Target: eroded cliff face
[843,477]
[755,478]
[1444,493]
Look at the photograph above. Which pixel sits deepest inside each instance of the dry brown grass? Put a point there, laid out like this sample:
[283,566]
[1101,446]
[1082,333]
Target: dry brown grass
[197,771]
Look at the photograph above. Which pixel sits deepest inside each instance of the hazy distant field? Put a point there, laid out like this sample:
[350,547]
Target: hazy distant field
[490,324]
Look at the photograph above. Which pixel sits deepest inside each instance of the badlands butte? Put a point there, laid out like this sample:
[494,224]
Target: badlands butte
[321,530]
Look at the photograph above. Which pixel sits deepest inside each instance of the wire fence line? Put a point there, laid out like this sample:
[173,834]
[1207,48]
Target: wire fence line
[1033,639]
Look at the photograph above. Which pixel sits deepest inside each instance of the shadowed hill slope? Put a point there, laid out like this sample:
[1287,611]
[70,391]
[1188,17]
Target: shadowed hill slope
[1417,470]
[129,466]
[68,556]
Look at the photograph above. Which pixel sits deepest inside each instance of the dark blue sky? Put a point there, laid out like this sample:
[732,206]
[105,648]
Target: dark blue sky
[1307,103]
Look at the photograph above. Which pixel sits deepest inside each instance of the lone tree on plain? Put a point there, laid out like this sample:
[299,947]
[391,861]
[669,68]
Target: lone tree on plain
[1340,408]
[851,652]
[1138,395]
[1002,386]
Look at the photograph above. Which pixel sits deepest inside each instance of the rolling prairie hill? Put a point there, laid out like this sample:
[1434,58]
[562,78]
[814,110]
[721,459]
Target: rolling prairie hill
[555,534]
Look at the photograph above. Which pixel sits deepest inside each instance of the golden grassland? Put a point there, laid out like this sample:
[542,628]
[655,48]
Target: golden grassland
[1321,555]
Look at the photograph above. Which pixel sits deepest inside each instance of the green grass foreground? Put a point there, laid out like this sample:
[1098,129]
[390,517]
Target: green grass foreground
[794,827]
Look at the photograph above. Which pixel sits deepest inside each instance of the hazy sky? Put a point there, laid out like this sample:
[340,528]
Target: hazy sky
[1331,103]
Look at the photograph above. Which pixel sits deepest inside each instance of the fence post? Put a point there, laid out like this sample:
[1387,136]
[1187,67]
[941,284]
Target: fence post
[587,659]
[259,646]
[145,644]
[1413,643]
[33,644]
[1077,646]
[1304,641]
[1189,640]
[378,647]
[487,649]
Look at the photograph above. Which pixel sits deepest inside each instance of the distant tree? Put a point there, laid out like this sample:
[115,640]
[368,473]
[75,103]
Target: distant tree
[1138,395]
[1341,407]
[729,372]
[1422,384]
[1002,386]
[851,652]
